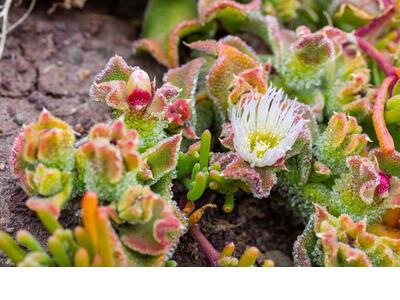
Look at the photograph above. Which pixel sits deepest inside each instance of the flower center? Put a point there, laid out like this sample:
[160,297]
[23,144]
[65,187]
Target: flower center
[261,141]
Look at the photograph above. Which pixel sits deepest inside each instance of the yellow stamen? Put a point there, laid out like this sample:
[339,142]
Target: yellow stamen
[261,141]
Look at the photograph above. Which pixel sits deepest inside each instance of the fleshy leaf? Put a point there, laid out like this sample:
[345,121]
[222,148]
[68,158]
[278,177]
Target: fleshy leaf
[348,243]
[165,23]
[230,62]
[153,227]
[94,244]
[163,157]
[185,78]
[258,181]
[109,159]
[340,139]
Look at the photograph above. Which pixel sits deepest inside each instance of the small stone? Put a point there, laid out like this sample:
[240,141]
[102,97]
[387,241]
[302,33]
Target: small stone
[73,111]
[87,45]
[59,39]
[104,51]
[75,55]
[11,111]
[2,166]
[84,73]
[19,119]
[43,27]
[79,128]
[61,26]
[77,39]
[6,84]
[35,97]
[22,65]
[9,229]
[94,26]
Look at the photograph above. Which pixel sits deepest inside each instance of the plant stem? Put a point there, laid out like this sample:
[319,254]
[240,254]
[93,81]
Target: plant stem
[376,24]
[382,62]
[205,246]
[385,139]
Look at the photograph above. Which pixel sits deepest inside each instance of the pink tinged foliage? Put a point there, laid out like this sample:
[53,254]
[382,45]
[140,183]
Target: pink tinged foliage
[186,77]
[109,155]
[122,87]
[389,163]
[153,228]
[47,141]
[181,113]
[258,181]
[230,62]
[313,49]
[227,136]
[247,81]
[365,175]
[165,24]
[348,243]
[162,158]
[43,159]
[210,9]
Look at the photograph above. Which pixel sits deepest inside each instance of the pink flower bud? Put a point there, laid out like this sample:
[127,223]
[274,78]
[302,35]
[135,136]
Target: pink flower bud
[138,90]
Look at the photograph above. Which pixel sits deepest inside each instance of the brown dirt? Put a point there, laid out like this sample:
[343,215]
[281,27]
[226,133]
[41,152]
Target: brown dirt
[50,62]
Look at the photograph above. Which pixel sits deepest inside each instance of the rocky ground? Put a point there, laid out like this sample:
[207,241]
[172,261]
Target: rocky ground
[50,62]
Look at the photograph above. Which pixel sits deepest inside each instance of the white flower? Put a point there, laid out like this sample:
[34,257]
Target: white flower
[265,129]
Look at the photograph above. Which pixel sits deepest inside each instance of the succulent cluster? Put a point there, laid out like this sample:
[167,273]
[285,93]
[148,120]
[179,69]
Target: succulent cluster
[134,185]
[314,113]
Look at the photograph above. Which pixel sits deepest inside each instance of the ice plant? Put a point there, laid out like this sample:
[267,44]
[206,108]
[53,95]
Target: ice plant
[343,242]
[266,129]
[342,137]
[193,167]
[93,244]
[128,91]
[43,160]
[149,224]
[335,146]
[109,162]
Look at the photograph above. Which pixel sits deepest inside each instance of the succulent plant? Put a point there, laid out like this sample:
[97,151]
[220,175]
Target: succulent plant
[348,243]
[341,139]
[95,244]
[109,162]
[149,224]
[43,159]
[315,116]
[193,167]
[129,92]
[147,240]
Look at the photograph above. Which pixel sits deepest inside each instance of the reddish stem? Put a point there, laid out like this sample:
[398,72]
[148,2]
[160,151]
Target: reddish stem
[208,249]
[377,23]
[385,139]
[382,61]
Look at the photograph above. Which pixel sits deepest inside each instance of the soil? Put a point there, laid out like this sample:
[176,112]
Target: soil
[50,62]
